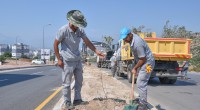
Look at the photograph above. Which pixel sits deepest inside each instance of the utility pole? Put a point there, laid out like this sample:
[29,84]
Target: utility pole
[16,50]
[43,43]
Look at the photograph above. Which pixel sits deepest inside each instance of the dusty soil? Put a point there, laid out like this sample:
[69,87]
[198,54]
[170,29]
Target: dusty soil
[102,91]
[13,64]
[19,63]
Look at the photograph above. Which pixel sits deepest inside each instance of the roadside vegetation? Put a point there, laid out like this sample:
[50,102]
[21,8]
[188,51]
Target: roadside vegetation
[5,56]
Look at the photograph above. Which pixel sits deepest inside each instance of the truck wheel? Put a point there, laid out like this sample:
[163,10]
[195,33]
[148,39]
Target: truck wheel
[129,76]
[164,80]
[118,72]
[98,65]
[172,81]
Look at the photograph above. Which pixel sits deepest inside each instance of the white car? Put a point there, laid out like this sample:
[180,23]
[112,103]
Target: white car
[37,61]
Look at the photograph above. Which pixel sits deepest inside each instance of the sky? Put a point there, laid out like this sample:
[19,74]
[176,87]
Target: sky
[23,20]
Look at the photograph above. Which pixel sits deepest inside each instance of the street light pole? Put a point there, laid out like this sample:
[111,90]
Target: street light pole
[16,50]
[43,42]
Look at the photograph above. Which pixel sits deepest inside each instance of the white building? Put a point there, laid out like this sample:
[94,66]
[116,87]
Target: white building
[20,49]
[4,48]
[45,54]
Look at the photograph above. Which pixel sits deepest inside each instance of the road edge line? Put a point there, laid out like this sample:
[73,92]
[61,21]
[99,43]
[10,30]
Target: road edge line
[47,100]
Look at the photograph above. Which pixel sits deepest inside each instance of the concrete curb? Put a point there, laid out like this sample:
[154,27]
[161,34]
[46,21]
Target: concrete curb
[3,69]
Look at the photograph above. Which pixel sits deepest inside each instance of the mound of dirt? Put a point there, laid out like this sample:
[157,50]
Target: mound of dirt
[103,104]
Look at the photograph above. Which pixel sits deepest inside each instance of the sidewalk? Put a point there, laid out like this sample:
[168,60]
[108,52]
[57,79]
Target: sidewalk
[101,90]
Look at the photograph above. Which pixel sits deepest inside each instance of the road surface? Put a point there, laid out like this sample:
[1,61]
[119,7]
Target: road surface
[25,89]
[183,95]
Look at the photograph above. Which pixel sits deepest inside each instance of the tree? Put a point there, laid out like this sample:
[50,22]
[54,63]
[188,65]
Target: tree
[25,56]
[2,58]
[175,31]
[36,57]
[7,54]
[108,40]
[52,58]
[181,32]
[137,30]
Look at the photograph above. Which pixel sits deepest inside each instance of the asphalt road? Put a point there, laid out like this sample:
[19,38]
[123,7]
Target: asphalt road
[26,89]
[183,95]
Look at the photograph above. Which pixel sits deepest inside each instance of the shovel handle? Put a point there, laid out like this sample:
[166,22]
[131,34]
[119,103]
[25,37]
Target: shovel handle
[132,88]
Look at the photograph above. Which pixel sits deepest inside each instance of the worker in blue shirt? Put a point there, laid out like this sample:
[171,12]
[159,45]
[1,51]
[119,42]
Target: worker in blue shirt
[144,62]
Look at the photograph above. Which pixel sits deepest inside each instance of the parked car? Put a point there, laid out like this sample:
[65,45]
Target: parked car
[37,61]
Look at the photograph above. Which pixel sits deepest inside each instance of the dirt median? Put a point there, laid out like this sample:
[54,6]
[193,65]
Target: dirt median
[102,91]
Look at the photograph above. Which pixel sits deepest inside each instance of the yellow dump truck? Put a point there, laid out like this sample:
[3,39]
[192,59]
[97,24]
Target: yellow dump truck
[167,51]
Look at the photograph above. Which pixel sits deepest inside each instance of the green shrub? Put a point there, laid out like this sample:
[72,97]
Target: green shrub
[24,56]
[36,57]
[2,58]
[52,58]
[7,55]
[195,61]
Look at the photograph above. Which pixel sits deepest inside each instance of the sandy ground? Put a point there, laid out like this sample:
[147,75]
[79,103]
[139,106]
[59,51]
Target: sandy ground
[14,63]
[102,91]
[18,63]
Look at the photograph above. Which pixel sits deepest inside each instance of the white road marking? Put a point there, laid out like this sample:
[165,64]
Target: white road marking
[4,80]
[53,69]
[36,73]
[54,89]
[16,70]
[58,106]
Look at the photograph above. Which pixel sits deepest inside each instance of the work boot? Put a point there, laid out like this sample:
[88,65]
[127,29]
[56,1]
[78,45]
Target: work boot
[80,102]
[136,101]
[142,107]
[68,106]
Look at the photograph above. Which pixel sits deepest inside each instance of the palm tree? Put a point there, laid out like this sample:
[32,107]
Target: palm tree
[108,40]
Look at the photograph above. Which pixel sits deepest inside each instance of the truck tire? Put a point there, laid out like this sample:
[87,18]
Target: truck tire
[118,72]
[129,76]
[98,65]
[164,80]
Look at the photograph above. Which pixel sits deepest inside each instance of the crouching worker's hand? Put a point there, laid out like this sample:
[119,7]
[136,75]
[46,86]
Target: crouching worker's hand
[134,71]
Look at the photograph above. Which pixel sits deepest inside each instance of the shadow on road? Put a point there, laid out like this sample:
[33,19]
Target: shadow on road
[158,107]
[8,79]
[156,82]
[122,77]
